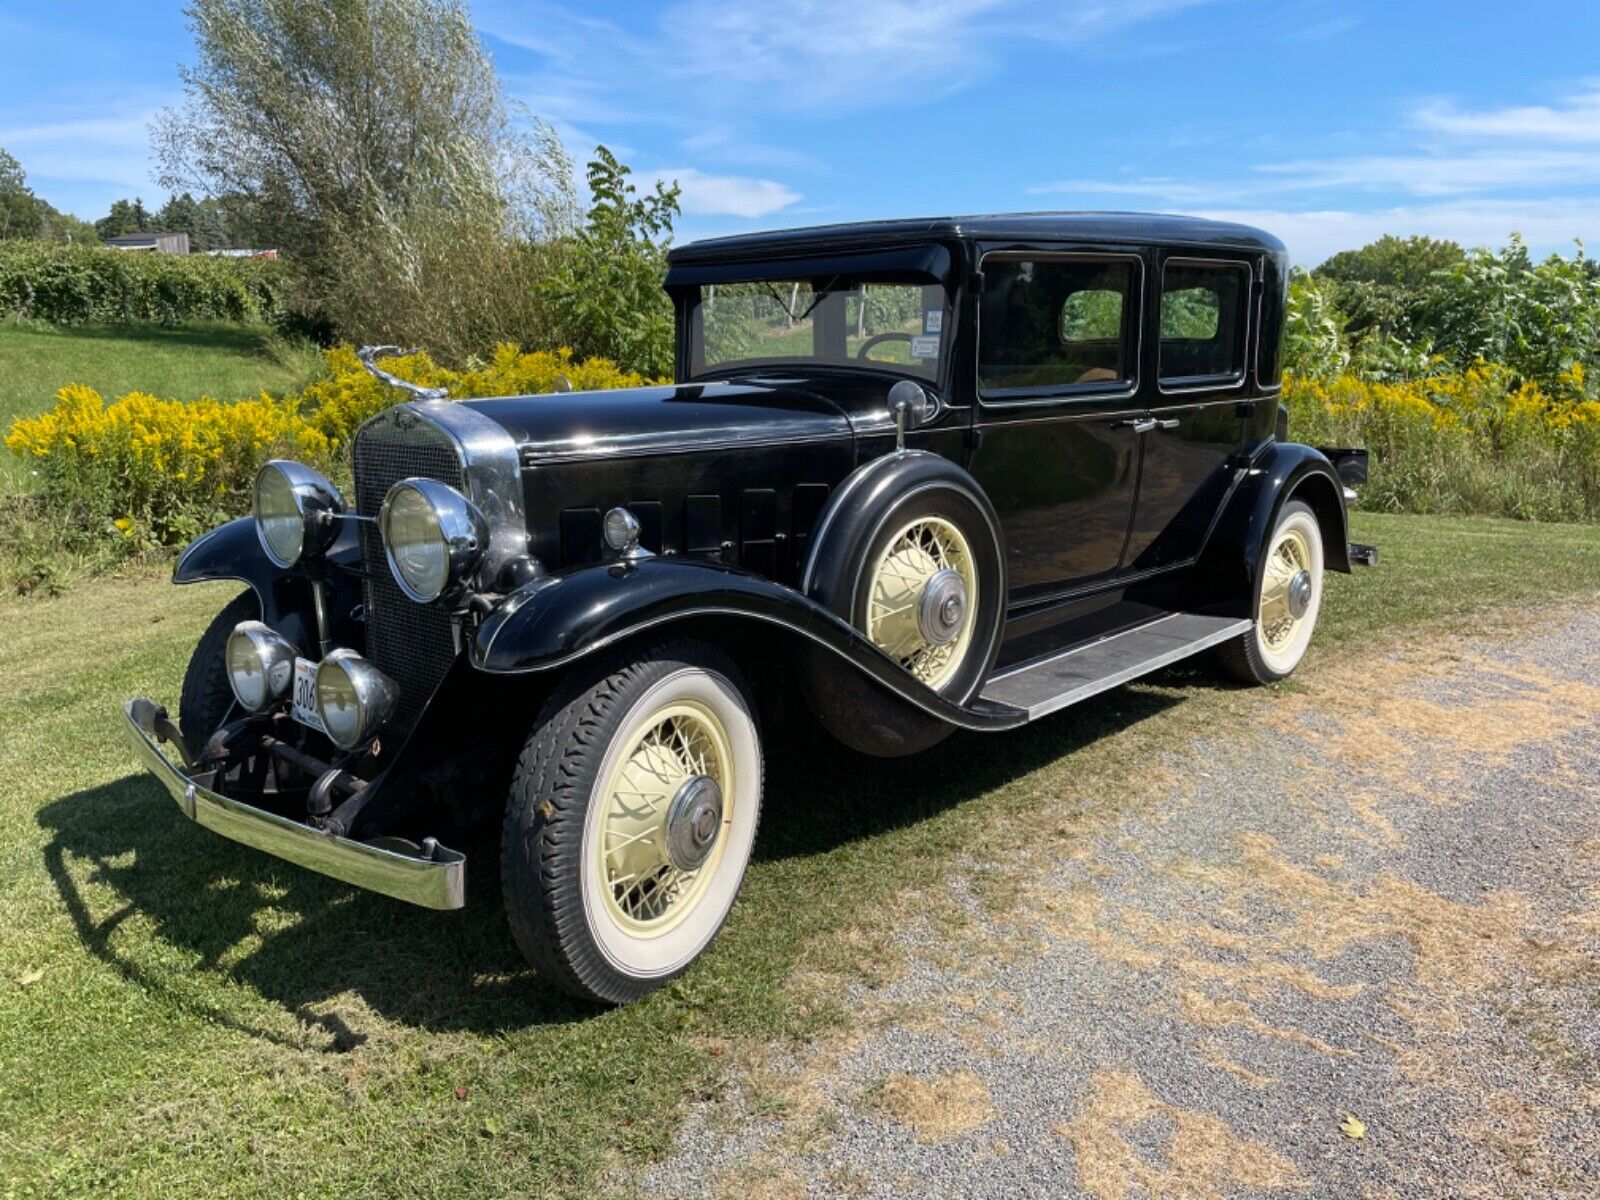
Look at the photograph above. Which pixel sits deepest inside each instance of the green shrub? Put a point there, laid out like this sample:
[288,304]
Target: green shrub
[142,472]
[74,285]
[1481,441]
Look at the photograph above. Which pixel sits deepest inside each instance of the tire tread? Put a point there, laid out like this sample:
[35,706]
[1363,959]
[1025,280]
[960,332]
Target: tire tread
[542,841]
[207,695]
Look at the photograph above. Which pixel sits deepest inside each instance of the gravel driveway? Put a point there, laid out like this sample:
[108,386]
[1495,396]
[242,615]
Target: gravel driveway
[1353,951]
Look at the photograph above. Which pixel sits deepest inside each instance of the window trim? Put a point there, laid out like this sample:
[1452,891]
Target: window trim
[1222,381]
[1064,392]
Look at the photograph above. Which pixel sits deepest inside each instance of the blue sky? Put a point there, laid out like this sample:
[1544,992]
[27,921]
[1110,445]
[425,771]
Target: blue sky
[1328,123]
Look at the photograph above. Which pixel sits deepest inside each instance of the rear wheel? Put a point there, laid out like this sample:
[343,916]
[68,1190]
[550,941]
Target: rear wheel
[919,597]
[207,697]
[1288,600]
[632,814]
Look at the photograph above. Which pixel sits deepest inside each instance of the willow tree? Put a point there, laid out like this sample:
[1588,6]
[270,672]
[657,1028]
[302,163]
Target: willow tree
[369,140]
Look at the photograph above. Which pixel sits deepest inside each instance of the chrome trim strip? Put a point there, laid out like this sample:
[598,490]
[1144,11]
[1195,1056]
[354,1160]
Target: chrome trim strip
[439,882]
[536,454]
[1067,393]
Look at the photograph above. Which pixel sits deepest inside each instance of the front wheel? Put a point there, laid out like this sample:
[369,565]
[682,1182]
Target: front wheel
[207,697]
[1288,598]
[632,813]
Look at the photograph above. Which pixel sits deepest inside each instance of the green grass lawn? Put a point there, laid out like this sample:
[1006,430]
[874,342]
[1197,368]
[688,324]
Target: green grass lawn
[179,363]
[180,1016]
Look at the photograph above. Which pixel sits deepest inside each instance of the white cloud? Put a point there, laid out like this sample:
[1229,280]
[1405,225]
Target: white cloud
[1438,173]
[1312,235]
[1470,176]
[706,71]
[789,56]
[1441,173]
[706,195]
[95,149]
[1152,187]
[1577,119]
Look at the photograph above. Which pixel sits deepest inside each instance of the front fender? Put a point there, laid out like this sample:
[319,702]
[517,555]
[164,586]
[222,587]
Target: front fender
[233,551]
[1283,471]
[560,618]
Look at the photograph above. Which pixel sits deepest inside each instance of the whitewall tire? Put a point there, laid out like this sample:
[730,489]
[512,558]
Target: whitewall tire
[1287,600]
[632,815]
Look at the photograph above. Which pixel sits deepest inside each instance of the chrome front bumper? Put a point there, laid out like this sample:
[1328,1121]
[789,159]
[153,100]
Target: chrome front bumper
[438,881]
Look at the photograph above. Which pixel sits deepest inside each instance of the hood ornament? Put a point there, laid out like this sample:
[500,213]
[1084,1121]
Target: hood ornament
[368,356]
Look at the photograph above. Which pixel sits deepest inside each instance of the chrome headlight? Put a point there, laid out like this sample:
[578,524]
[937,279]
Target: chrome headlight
[260,665]
[433,537]
[354,698]
[293,505]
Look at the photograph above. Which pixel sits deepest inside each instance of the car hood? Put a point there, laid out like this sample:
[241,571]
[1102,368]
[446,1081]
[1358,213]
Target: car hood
[653,420]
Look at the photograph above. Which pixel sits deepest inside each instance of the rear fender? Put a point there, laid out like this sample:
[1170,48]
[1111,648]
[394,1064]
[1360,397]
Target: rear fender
[1284,471]
[561,618]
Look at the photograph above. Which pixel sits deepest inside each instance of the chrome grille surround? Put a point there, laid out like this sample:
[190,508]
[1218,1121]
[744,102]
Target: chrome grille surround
[414,644]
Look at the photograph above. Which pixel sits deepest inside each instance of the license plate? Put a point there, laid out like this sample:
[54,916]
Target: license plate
[303,701]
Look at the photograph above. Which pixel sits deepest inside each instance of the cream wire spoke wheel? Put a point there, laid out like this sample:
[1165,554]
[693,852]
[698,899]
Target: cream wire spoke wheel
[662,813]
[632,816]
[1290,596]
[1285,593]
[921,599]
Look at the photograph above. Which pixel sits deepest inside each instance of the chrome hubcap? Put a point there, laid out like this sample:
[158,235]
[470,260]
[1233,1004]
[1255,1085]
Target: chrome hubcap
[942,607]
[1299,594]
[694,818]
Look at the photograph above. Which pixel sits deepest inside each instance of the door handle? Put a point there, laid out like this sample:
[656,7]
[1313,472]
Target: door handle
[1138,425]
[1169,423]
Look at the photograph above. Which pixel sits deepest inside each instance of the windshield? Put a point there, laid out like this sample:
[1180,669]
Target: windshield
[893,327]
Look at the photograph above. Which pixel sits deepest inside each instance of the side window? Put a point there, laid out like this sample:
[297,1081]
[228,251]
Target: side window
[1049,324]
[1203,321]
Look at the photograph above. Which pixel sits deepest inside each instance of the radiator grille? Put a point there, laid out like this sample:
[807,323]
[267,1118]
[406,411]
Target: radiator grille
[411,643]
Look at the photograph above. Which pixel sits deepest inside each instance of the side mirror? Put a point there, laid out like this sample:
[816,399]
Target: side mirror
[911,405]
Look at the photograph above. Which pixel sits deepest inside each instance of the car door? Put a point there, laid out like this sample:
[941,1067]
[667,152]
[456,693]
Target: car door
[1196,417]
[1057,422]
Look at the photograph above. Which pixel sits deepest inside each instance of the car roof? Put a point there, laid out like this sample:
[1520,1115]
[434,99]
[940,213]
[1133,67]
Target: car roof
[1123,228]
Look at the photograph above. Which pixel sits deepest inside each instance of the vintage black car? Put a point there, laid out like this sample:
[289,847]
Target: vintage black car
[925,474]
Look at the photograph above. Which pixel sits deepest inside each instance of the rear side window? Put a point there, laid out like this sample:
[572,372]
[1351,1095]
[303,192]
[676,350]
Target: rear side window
[1053,324]
[1203,321]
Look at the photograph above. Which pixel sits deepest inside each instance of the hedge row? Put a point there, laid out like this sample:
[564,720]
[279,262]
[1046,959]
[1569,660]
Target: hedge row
[143,471]
[1481,441]
[74,285]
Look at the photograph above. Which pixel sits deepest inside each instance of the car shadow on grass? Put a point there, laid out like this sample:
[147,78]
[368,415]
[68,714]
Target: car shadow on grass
[316,939]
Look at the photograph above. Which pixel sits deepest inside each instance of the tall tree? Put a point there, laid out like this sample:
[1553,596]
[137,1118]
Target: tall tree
[24,215]
[369,140]
[1388,288]
[19,210]
[1411,262]
[125,217]
[205,221]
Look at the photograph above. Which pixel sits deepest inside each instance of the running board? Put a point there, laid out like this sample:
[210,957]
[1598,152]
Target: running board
[1048,684]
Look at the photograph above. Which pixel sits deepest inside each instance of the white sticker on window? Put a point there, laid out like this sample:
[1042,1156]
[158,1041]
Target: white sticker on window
[925,347]
[933,320]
